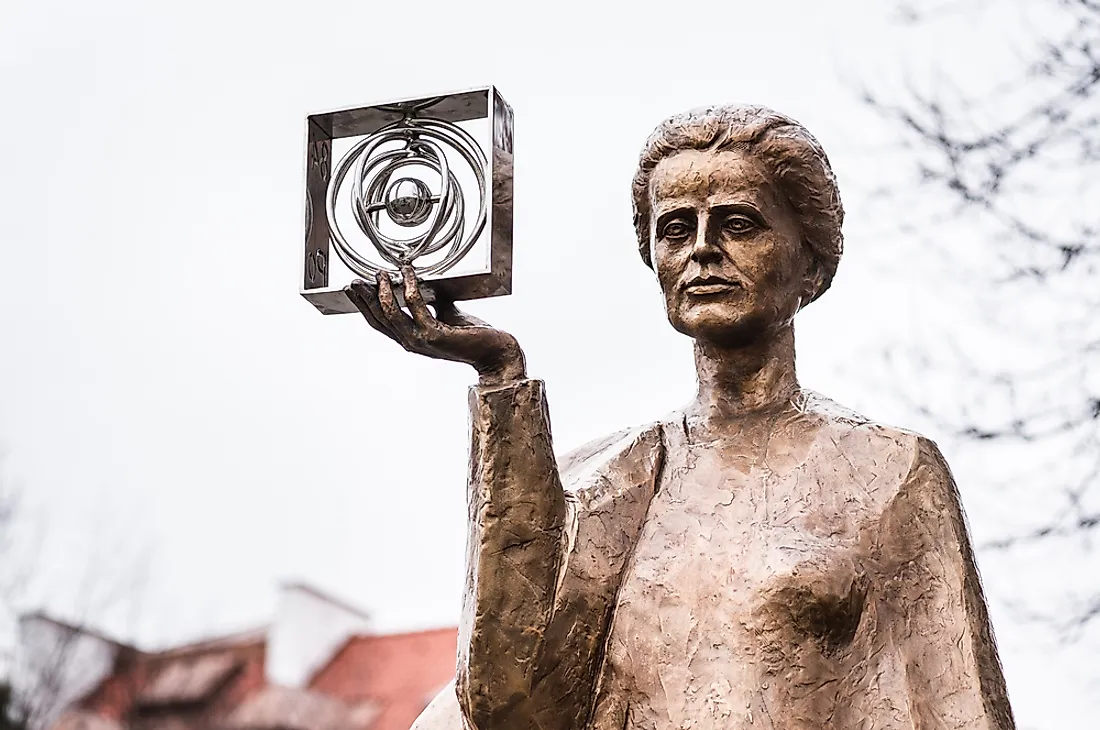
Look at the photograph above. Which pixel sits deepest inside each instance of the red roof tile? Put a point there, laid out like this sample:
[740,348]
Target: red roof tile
[189,680]
[299,709]
[399,673]
[218,675]
[76,720]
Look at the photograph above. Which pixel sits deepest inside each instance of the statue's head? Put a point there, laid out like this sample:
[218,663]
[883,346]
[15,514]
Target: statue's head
[737,210]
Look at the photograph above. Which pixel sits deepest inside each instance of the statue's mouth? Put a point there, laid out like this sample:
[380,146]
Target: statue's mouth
[710,285]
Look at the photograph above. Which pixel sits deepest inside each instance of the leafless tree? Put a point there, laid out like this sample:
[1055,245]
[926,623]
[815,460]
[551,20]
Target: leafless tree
[1012,169]
[50,662]
[10,714]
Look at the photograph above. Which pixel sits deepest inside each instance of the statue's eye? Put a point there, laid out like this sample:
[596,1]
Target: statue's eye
[738,224]
[676,230]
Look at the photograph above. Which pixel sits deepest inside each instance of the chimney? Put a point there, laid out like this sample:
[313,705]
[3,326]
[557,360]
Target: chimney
[309,628]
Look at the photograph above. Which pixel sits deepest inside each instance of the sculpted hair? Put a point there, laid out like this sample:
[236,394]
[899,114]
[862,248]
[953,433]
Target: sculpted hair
[792,156]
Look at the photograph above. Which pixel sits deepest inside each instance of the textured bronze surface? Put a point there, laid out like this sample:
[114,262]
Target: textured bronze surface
[762,558]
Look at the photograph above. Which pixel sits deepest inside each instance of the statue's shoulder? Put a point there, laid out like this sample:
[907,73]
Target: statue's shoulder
[876,457]
[912,489]
[880,457]
[623,464]
[573,463]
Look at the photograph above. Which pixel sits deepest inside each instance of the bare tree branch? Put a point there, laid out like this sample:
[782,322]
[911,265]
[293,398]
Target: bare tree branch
[52,661]
[1018,164]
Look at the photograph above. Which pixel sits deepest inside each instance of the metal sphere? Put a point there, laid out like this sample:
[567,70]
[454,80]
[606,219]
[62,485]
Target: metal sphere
[408,201]
[381,182]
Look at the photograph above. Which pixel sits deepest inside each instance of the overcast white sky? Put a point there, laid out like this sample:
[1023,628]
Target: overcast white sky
[165,394]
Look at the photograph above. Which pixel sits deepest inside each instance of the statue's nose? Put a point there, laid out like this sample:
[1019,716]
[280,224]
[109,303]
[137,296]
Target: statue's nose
[704,248]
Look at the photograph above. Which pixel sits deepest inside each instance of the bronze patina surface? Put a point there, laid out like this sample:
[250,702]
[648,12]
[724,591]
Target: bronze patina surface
[763,558]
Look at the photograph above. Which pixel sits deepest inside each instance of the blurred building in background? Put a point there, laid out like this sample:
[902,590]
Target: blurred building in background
[317,666]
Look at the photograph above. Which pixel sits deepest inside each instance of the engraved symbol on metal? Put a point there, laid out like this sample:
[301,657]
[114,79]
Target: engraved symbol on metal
[383,182]
[320,159]
[317,266]
[309,217]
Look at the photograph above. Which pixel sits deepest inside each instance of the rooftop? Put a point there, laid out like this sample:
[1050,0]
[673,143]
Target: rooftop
[358,680]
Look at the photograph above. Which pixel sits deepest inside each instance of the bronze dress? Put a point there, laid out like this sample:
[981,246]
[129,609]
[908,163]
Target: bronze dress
[812,572]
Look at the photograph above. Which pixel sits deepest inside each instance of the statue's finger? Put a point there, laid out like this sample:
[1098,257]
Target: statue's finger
[370,294]
[414,300]
[400,322]
[360,294]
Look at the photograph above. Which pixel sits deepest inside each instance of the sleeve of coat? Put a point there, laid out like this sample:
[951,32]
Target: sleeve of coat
[514,551]
[544,562]
[940,623]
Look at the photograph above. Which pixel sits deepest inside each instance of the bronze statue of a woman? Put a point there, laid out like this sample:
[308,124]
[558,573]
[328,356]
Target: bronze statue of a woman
[763,558]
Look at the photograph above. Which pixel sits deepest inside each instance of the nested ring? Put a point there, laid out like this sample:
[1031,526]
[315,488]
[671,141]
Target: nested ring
[446,222]
[372,185]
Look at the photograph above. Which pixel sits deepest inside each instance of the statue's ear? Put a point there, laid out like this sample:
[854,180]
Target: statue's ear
[645,247]
[814,278]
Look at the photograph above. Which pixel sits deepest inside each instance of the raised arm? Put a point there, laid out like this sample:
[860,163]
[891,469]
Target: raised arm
[515,552]
[940,622]
[516,548]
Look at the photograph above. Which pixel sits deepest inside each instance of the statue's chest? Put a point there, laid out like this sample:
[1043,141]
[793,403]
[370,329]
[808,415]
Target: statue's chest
[735,560]
[719,525]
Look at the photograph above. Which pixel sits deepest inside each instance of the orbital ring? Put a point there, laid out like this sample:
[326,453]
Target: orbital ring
[402,250]
[378,186]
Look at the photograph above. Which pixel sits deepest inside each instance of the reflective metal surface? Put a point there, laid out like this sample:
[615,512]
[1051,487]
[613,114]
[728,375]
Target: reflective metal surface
[377,188]
[418,189]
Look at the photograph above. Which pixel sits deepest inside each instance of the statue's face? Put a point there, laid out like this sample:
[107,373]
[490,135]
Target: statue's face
[726,247]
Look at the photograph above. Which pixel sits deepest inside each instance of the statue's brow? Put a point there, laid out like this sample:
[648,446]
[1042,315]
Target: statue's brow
[680,208]
[676,211]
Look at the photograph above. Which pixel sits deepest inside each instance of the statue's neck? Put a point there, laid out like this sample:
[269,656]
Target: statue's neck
[737,381]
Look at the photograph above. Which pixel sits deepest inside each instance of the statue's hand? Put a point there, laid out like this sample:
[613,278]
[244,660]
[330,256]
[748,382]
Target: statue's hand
[448,335]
